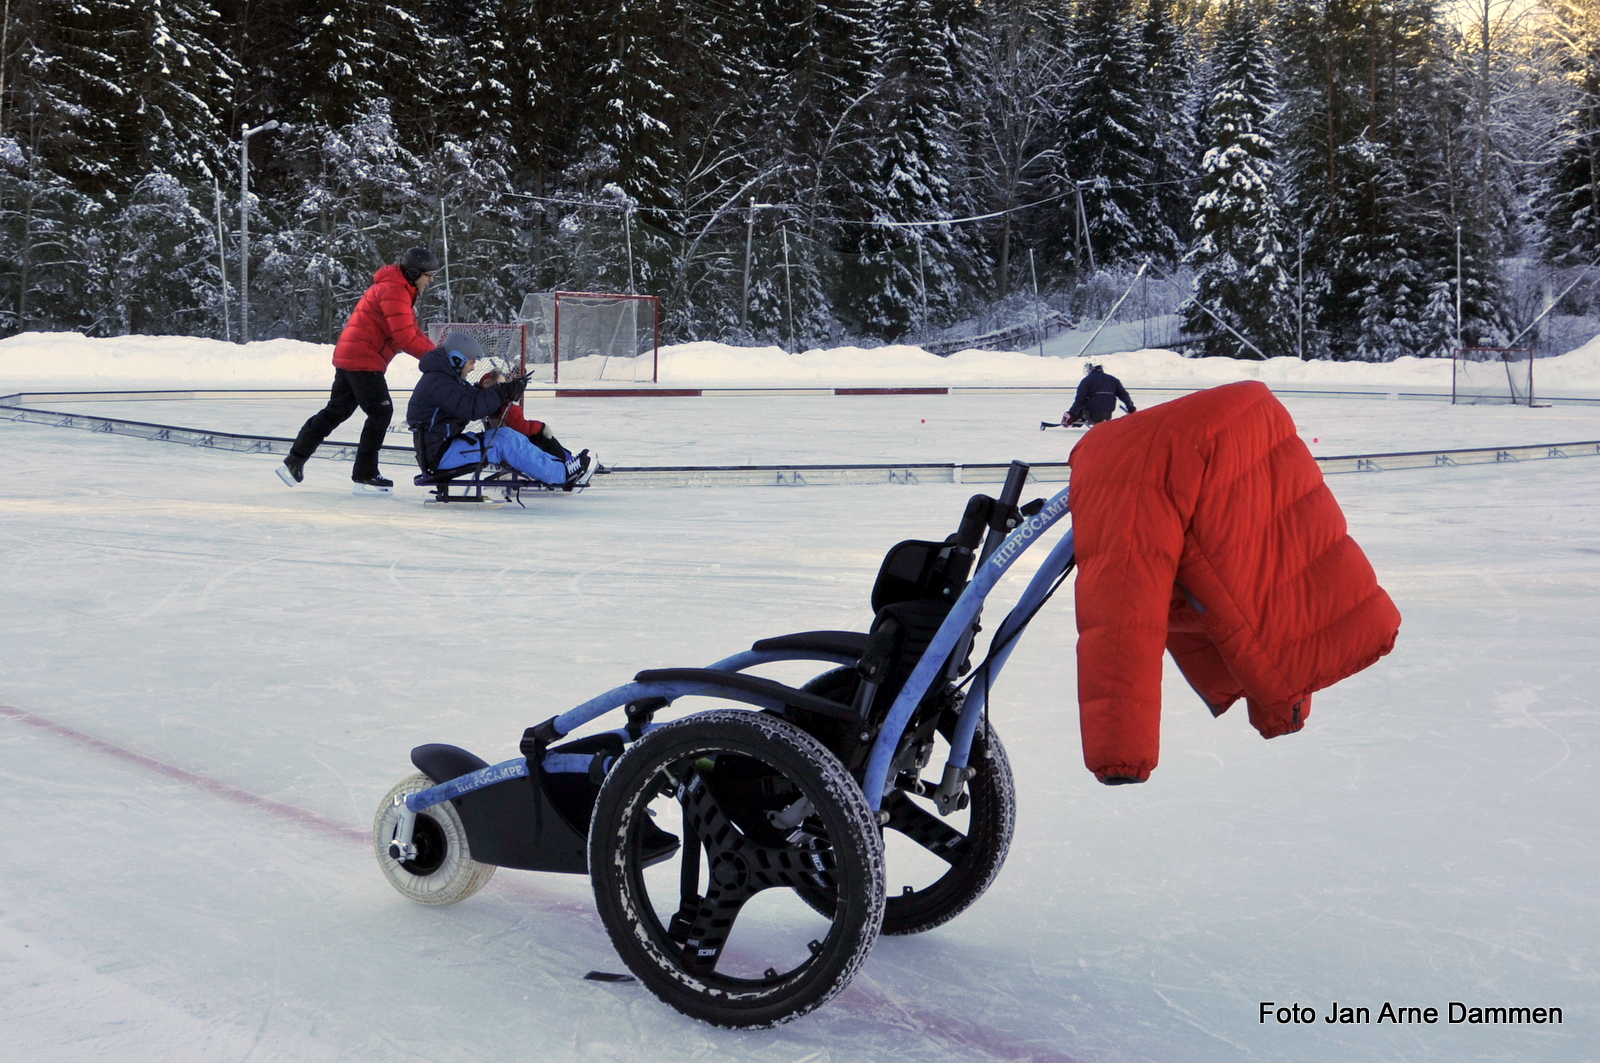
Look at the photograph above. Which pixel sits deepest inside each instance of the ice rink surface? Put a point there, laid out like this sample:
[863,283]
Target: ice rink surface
[208,681]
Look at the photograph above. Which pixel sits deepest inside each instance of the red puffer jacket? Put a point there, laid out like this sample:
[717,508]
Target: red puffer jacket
[1203,526]
[382,325]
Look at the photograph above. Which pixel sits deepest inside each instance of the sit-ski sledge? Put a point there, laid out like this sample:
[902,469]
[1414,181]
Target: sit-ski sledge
[480,482]
[738,855]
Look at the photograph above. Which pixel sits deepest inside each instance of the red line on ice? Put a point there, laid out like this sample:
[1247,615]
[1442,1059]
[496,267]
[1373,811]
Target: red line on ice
[860,1001]
[220,789]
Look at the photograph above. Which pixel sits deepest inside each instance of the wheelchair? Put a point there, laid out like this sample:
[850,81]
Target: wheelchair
[742,857]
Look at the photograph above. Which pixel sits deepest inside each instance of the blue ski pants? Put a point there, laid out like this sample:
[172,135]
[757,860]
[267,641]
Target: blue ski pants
[506,446]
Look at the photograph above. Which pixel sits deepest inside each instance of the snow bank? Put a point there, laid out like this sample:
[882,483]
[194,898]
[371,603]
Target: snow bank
[711,364]
[36,360]
[71,360]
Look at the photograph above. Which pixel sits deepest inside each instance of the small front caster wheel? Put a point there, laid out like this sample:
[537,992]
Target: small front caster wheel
[442,871]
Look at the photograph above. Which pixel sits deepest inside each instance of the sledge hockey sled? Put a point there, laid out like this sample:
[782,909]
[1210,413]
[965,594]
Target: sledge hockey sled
[479,482]
[744,859]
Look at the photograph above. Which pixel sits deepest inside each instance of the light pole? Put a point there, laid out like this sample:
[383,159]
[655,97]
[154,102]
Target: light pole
[245,133]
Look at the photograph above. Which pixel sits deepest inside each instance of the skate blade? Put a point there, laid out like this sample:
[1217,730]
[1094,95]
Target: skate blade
[368,489]
[286,476]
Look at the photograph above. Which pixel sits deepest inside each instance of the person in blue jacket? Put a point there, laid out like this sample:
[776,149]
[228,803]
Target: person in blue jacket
[1097,397]
[443,403]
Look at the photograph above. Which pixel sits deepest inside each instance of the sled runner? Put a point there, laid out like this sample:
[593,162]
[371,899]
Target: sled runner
[744,859]
[480,482]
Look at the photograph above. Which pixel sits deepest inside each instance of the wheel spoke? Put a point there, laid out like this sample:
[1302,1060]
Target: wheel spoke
[689,868]
[774,809]
[708,929]
[924,828]
[738,869]
[705,817]
[792,867]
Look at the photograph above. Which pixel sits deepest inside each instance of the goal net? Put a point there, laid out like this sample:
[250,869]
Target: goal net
[592,336]
[505,349]
[1493,376]
[505,346]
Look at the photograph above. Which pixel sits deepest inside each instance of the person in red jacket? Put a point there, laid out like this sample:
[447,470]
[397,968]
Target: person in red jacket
[383,324]
[1203,527]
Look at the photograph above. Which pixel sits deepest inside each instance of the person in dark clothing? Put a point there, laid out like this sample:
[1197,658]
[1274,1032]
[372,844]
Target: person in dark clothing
[443,403]
[1097,397]
[383,324]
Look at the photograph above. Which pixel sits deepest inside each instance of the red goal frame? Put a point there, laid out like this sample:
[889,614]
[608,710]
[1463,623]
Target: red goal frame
[532,318]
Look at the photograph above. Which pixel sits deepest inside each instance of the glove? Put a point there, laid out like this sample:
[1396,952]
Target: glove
[509,391]
[1132,408]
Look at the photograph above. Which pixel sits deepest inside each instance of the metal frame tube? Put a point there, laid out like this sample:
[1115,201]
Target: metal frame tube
[944,641]
[1006,636]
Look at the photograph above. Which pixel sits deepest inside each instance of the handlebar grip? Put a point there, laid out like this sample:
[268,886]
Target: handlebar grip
[1005,514]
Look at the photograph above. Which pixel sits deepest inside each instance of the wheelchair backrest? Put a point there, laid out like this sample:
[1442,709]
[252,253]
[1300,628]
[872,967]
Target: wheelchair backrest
[917,570]
[421,448]
[917,584]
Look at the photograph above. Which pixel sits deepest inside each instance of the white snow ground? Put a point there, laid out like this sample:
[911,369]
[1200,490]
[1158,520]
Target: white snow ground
[207,681]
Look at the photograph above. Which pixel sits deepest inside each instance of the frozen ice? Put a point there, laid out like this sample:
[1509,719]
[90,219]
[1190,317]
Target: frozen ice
[207,681]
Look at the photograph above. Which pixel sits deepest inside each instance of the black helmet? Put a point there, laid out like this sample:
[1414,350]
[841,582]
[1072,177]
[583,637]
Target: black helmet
[461,348]
[417,261]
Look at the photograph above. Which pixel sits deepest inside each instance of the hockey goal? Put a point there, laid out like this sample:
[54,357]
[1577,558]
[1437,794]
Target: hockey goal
[593,336]
[1500,376]
[505,346]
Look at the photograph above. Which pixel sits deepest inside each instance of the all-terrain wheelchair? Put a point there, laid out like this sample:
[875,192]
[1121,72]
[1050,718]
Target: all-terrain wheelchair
[742,858]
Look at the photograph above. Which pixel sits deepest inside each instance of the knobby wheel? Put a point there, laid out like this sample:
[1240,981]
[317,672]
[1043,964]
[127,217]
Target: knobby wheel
[939,866]
[936,867]
[713,927]
[443,871]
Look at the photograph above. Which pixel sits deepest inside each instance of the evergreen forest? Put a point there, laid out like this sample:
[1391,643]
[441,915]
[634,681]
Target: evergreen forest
[1348,179]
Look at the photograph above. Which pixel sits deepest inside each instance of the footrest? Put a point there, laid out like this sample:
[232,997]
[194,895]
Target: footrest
[743,683]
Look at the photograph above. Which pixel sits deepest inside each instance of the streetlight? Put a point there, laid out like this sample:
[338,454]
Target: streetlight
[245,133]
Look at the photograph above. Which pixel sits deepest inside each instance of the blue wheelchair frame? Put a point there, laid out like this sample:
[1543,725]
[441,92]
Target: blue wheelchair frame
[933,663]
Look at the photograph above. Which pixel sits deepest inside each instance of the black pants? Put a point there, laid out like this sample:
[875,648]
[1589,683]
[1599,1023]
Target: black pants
[1099,408]
[351,388]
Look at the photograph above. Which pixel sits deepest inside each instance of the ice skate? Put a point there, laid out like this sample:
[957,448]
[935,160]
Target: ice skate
[373,485]
[292,471]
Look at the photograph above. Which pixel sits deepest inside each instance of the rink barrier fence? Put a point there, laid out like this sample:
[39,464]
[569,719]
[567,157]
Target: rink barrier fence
[631,392]
[12,409]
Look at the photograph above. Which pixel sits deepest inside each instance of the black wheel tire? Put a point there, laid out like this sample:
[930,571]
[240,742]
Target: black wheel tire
[722,770]
[973,858]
